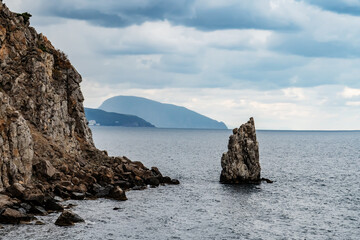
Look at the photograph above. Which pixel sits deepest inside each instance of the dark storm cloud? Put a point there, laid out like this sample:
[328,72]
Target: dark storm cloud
[229,15]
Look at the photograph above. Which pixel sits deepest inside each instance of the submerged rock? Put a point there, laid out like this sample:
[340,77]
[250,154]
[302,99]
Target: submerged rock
[241,163]
[68,218]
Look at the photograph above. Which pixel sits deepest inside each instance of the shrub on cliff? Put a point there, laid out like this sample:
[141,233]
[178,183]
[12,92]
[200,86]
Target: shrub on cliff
[26,16]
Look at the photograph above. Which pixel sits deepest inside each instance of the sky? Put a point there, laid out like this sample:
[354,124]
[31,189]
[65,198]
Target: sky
[290,64]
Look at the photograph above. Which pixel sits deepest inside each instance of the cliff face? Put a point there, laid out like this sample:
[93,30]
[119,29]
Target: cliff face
[46,147]
[40,101]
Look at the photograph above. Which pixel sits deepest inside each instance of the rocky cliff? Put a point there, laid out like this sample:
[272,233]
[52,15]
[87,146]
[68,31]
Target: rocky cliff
[241,163]
[46,146]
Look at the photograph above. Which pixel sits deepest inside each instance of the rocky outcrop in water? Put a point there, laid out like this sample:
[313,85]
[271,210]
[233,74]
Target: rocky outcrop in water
[241,163]
[46,147]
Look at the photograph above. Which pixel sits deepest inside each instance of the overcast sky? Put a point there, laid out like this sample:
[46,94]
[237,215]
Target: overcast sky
[290,64]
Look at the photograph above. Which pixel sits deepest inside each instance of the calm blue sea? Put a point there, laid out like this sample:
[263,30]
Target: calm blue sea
[316,193]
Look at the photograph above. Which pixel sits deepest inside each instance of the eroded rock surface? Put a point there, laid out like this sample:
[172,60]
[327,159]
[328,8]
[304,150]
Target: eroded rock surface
[46,147]
[241,163]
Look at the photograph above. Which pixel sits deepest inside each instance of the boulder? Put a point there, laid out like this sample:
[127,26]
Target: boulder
[5,201]
[101,191]
[53,205]
[153,181]
[77,195]
[38,210]
[241,163]
[68,218]
[45,169]
[12,216]
[118,194]
[16,190]
[175,182]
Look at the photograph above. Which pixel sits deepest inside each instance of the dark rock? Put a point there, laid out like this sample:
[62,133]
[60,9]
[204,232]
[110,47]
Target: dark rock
[267,180]
[123,184]
[53,205]
[26,206]
[38,210]
[16,190]
[100,191]
[45,169]
[77,195]
[39,223]
[136,188]
[36,198]
[166,180]
[21,210]
[241,163]
[68,218]
[70,205]
[118,194]
[12,216]
[58,199]
[153,181]
[175,181]
[156,172]
[60,191]
[6,201]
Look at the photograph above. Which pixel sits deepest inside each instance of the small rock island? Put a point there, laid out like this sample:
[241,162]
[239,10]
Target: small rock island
[241,163]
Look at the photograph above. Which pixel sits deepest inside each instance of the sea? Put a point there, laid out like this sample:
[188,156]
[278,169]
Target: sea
[315,194]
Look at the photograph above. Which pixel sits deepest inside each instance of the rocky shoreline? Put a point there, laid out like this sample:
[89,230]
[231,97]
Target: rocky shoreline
[46,149]
[20,204]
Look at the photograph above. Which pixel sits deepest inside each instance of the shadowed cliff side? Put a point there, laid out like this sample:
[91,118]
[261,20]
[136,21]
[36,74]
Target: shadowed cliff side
[46,147]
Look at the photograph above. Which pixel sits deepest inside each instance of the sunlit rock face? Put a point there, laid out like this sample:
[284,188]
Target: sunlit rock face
[41,110]
[241,163]
[46,146]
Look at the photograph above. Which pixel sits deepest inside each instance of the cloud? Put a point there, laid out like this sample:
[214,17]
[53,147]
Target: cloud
[291,64]
[350,92]
[354,104]
[351,7]
[204,15]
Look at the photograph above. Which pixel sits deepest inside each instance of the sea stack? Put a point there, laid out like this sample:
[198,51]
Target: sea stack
[240,164]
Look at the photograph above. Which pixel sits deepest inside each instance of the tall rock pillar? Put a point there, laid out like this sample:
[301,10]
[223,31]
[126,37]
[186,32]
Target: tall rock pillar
[240,164]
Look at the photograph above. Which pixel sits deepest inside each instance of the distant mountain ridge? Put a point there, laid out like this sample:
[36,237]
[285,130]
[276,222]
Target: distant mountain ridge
[162,115]
[104,118]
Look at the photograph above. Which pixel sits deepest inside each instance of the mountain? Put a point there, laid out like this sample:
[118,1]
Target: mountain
[115,119]
[162,115]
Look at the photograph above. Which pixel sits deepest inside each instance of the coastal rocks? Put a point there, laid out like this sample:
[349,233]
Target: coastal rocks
[45,169]
[9,215]
[118,194]
[241,163]
[46,146]
[68,218]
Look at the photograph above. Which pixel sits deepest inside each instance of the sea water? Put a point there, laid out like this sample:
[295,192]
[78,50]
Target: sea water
[315,194]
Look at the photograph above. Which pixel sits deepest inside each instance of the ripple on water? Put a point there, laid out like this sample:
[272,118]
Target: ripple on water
[315,196]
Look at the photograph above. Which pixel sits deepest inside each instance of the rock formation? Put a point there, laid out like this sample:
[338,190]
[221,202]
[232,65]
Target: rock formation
[241,163]
[46,147]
